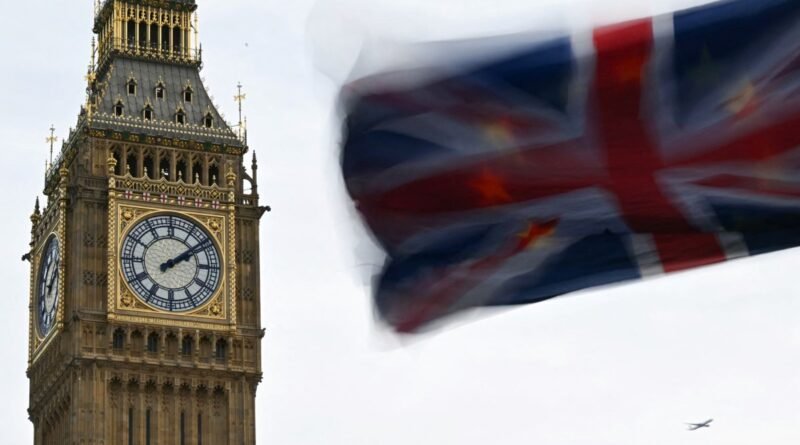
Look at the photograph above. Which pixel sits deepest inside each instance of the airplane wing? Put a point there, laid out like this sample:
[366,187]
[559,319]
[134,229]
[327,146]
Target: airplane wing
[694,426]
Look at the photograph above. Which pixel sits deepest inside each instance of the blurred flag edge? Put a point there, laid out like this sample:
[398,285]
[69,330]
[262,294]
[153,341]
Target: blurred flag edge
[648,147]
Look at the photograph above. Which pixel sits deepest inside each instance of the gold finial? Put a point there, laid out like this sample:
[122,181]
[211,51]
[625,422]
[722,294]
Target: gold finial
[240,97]
[231,177]
[94,53]
[112,165]
[36,216]
[127,169]
[180,175]
[145,172]
[213,179]
[90,77]
[63,172]
[196,177]
[196,26]
[51,139]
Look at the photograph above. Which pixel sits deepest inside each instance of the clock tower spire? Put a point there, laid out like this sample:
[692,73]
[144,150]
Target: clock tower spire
[145,302]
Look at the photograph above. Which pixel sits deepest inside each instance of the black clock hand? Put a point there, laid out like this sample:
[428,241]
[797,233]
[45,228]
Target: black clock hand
[52,278]
[182,257]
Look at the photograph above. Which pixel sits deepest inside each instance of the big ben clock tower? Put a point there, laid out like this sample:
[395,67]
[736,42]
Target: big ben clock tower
[144,312]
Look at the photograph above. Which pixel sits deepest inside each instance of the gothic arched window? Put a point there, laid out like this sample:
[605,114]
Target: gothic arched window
[142,35]
[152,343]
[181,170]
[137,342]
[160,91]
[149,168]
[205,348]
[131,33]
[154,36]
[131,87]
[208,120]
[187,94]
[163,167]
[177,35]
[172,345]
[180,117]
[119,339]
[187,345]
[222,349]
[118,108]
[197,172]
[165,38]
[213,175]
[147,113]
[132,165]
[118,164]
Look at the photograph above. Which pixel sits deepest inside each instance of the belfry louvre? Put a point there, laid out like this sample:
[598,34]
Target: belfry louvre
[144,325]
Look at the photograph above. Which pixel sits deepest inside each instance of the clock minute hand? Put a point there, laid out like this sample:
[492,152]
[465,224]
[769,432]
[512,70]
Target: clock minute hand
[52,277]
[182,257]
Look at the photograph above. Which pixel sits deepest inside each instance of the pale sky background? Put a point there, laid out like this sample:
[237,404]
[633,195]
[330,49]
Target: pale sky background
[624,365]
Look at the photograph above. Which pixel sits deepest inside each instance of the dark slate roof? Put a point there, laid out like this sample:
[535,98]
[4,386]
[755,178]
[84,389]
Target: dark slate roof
[113,87]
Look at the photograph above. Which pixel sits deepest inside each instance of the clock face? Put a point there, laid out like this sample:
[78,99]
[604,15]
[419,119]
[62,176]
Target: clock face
[47,284]
[170,262]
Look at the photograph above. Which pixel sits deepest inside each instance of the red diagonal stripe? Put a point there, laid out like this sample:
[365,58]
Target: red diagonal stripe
[633,160]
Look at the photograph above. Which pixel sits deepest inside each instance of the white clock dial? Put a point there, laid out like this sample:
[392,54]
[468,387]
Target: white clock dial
[170,262]
[47,294]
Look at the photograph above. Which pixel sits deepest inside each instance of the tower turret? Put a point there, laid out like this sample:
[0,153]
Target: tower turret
[145,306]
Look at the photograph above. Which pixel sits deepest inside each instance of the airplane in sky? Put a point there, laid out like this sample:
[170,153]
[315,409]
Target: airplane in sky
[695,426]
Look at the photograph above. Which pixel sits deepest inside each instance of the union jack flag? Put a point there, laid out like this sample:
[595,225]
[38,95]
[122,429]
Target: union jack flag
[648,147]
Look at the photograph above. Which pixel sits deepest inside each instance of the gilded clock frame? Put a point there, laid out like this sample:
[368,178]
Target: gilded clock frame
[208,223]
[128,205]
[50,223]
[37,266]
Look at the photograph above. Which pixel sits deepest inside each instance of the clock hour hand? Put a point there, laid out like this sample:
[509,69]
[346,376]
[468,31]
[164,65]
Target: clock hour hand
[182,257]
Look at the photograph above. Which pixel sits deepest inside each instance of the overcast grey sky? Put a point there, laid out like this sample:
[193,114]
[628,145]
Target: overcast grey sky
[624,365]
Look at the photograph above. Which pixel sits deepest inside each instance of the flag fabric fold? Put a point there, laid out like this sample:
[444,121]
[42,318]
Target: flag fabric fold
[652,146]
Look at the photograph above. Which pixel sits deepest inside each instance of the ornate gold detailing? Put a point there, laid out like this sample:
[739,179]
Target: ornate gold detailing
[127,214]
[125,209]
[215,309]
[112,165]
[230,177]
[240,97]
[51,139]
[127,300]
[214,225]
[162,191]
[111,26]
[188,130]
[231,262]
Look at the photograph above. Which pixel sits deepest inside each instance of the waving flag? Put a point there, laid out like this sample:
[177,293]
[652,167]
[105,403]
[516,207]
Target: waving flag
[649,147]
